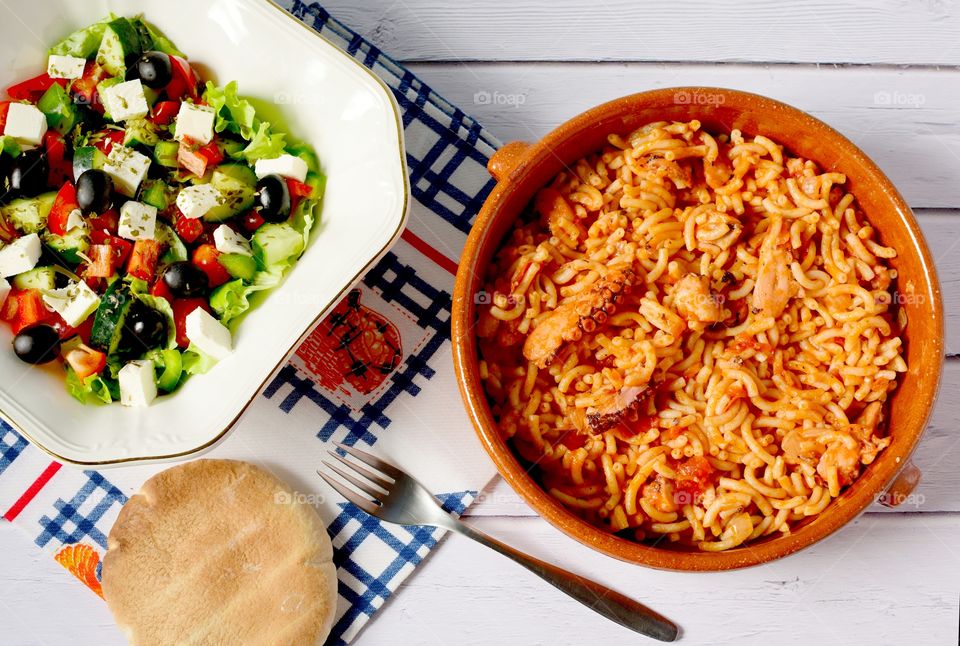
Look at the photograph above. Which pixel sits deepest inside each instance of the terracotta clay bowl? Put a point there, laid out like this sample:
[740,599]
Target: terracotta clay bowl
[522,168]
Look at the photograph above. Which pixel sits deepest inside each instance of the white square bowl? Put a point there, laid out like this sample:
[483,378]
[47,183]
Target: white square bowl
[328,100]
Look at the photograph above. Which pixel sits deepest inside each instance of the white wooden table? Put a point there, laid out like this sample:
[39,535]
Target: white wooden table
[886,74]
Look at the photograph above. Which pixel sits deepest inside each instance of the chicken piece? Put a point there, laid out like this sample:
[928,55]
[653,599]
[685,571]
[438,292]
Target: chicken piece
[695,302]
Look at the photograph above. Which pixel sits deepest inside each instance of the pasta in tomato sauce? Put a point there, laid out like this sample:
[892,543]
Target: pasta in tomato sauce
[693,337]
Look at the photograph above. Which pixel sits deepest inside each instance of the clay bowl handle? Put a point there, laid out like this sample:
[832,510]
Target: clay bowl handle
[505,160]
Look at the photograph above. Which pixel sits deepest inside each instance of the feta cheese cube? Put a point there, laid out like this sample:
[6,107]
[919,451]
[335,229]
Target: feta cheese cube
[25,123]
[229,241]
[127,168]
[195,201]
[74,303]
[125,100]
[138,221]
[75,220]
[208,334]
[284,165]
[4,291]
[138,387]
[20,255]
[194,122]
[65,67]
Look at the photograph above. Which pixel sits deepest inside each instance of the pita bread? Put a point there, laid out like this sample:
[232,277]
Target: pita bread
[219,552]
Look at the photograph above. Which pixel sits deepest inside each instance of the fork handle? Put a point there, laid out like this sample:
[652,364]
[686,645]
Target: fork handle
[599,598]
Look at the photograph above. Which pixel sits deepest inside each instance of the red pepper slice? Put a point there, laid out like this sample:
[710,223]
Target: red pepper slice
[143,260]
[63,205]
[32,89]
[61,168]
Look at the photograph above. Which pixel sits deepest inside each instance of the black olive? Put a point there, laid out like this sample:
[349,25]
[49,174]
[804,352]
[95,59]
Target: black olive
[273,196]
[90,119]
[94,189]
[185,280]
[146,326]
[6,161]
[37,344]
[28,174]
[152,68]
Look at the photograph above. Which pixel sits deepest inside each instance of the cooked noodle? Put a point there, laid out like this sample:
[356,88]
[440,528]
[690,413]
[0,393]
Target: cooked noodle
[693,337]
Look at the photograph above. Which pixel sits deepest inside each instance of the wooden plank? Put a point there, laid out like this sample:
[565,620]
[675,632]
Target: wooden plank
[882,580]
[936,456]
[820,31]
[905,120]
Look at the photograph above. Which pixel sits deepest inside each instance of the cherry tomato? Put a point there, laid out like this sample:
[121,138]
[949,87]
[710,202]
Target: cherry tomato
[164,112]
[187,228]
[251,221]
[181,309]
[205,257]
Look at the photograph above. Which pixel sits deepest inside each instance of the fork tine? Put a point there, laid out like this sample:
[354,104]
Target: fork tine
[360,502]
[372,461]
[364,487]
[366,473]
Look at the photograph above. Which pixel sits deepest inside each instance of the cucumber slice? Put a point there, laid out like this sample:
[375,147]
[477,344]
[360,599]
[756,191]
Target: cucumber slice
[238,265]
[108,322]
[140,131]
[29,214]
[68,247]
[158,41]
[155,193]
[143,34]
[176,251]
[237,184]
[239,172]
[85,158]
[277,243]
[165,152]
[120,41]
[42,278]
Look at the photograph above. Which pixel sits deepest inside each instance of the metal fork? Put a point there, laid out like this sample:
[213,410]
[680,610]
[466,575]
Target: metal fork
[399,498]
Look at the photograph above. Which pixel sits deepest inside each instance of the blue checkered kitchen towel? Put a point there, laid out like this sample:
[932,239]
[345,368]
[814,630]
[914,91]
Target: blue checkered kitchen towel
[412,414]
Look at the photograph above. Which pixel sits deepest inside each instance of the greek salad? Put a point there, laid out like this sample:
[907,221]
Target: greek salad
[140,209]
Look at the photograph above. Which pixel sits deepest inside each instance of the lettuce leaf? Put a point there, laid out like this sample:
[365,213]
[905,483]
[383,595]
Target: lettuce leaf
[233,113]
[230,300]
[83,43]
[264,145]
[196,361]
[95,389]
